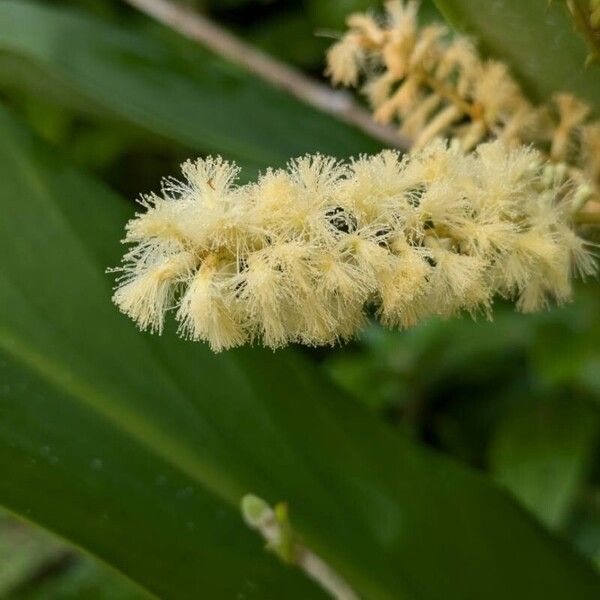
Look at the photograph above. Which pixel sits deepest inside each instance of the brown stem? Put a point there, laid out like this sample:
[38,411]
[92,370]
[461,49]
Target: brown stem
[202,30]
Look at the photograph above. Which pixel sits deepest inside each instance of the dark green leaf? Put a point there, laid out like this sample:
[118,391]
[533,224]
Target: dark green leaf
[86,405]
[541,453]
[85,579]
[535,37]
[567,349]
[36,566]
[584,525]
[139,448]
[22,553]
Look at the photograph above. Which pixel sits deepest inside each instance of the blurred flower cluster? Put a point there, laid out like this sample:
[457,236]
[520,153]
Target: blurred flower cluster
[434,86]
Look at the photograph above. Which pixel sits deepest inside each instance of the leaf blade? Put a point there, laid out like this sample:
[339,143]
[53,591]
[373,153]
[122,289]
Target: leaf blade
[541,453]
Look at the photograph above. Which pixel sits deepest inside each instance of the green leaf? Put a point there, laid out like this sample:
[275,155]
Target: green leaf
[139,448]
[541,453]
[537,40]
[566,354]
[584,525]
[83,580]
[22,553]
[166,86]
[36,566]
[92,420]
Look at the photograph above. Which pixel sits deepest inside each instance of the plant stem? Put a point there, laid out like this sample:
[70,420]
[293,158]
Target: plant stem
[274,526]
[202,30]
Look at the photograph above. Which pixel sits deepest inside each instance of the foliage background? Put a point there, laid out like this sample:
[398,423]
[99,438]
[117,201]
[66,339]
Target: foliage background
[516,399]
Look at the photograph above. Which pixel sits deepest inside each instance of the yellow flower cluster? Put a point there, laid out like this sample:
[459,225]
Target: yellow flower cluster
[434,86]
[304,254]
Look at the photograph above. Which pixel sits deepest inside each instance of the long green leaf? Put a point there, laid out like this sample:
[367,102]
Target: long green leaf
[84,447]
[166,86]
[535,37]
[138,448]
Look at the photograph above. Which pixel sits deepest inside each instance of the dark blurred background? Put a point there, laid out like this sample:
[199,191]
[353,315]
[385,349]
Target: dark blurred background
[517,398]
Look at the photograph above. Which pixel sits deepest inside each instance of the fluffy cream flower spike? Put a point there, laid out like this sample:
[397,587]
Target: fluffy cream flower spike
[436,87]
[304,253]
[433,87]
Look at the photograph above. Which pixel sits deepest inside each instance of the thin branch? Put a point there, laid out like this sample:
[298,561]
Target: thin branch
[205,32]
